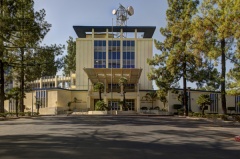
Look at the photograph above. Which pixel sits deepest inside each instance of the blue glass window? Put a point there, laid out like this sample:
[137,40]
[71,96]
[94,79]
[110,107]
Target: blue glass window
[128,54]
[114,54]
[99,54]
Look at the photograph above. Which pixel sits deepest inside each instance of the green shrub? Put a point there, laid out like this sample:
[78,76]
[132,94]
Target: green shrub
[164,110]
[177,106]
[100,106]
[203,101]
[144,108]
[236,118]
[3,115]
[156,108]
[196,114]
[35,113]
[191,114]
[181,111]
[223,117]
[21,114]
[212,116]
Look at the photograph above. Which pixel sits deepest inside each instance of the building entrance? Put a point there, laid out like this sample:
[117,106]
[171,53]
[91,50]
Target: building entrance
[114,105]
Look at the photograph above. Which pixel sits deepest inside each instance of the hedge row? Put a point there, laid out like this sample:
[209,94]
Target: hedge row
[10,114]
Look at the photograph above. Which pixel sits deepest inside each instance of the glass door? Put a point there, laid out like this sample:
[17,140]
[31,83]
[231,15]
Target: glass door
[114,105]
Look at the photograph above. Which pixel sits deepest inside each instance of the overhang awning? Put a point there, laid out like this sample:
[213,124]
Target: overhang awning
[113,75]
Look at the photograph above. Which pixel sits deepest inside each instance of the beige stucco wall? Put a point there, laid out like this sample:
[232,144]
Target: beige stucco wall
[143,52]
[6,105]
[84,59]
[81,104]
[63,97]
[230,100]
[58,99]
[30,101]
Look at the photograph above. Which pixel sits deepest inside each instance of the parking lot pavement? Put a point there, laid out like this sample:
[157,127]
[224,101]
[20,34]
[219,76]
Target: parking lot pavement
[116,137]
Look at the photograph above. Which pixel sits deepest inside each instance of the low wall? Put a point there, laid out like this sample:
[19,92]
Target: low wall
[125,112]
[97,113]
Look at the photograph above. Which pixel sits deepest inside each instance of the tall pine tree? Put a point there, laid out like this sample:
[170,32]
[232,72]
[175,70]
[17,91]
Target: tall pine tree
[177,56]
[23,53]
[214,33]
[70,58]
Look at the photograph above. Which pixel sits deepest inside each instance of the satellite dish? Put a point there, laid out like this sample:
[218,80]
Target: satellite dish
[130,10]
[114,12]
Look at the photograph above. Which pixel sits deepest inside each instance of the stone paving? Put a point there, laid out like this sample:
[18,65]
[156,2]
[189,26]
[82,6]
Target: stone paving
[117,137]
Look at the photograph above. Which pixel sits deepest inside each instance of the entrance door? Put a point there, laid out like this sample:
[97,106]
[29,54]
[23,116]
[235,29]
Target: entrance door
[114,105]
[214,104]
[130,104]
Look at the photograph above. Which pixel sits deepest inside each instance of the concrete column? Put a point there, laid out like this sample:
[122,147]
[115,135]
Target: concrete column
[63,84]
[41,83]
[88,102]
[135,34]
[107,33]
[138,86]
[138,103]
[121,33]
[105,99]
[105,87]
[121,99]
[88,87]
[56,81]
[121,90]
[93,33]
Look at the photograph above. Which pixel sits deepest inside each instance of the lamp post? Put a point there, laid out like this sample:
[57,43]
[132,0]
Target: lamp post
[189,100]
[32,98]
[111,72]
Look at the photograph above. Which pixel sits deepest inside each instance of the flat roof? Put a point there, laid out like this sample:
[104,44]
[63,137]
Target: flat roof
[147,30]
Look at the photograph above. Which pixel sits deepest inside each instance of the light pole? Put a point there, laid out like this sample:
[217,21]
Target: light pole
[111,71]
[32,99]
[189,100]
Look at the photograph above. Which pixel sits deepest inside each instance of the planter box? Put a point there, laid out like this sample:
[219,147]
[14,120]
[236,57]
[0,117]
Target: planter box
[97,112]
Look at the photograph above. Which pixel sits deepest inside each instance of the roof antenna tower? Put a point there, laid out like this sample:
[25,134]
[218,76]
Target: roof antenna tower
[122,14]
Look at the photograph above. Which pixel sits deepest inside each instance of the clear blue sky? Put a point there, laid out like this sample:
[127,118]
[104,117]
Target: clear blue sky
[64,14]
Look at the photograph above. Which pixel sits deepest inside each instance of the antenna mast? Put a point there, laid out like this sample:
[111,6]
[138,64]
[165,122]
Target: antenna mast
[122,14]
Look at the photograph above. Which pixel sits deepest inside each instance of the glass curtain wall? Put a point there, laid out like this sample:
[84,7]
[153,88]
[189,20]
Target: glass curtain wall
[128,54]
[99,54]
[114,54]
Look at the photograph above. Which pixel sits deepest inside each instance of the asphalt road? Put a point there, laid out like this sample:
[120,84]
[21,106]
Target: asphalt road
[117,137]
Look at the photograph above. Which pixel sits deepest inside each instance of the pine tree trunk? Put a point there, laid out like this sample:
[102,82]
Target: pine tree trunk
[22,82]
[100,95]
[17,107]
[2,93]
[185,89]
[203,108]
[124,101]
[223,89]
